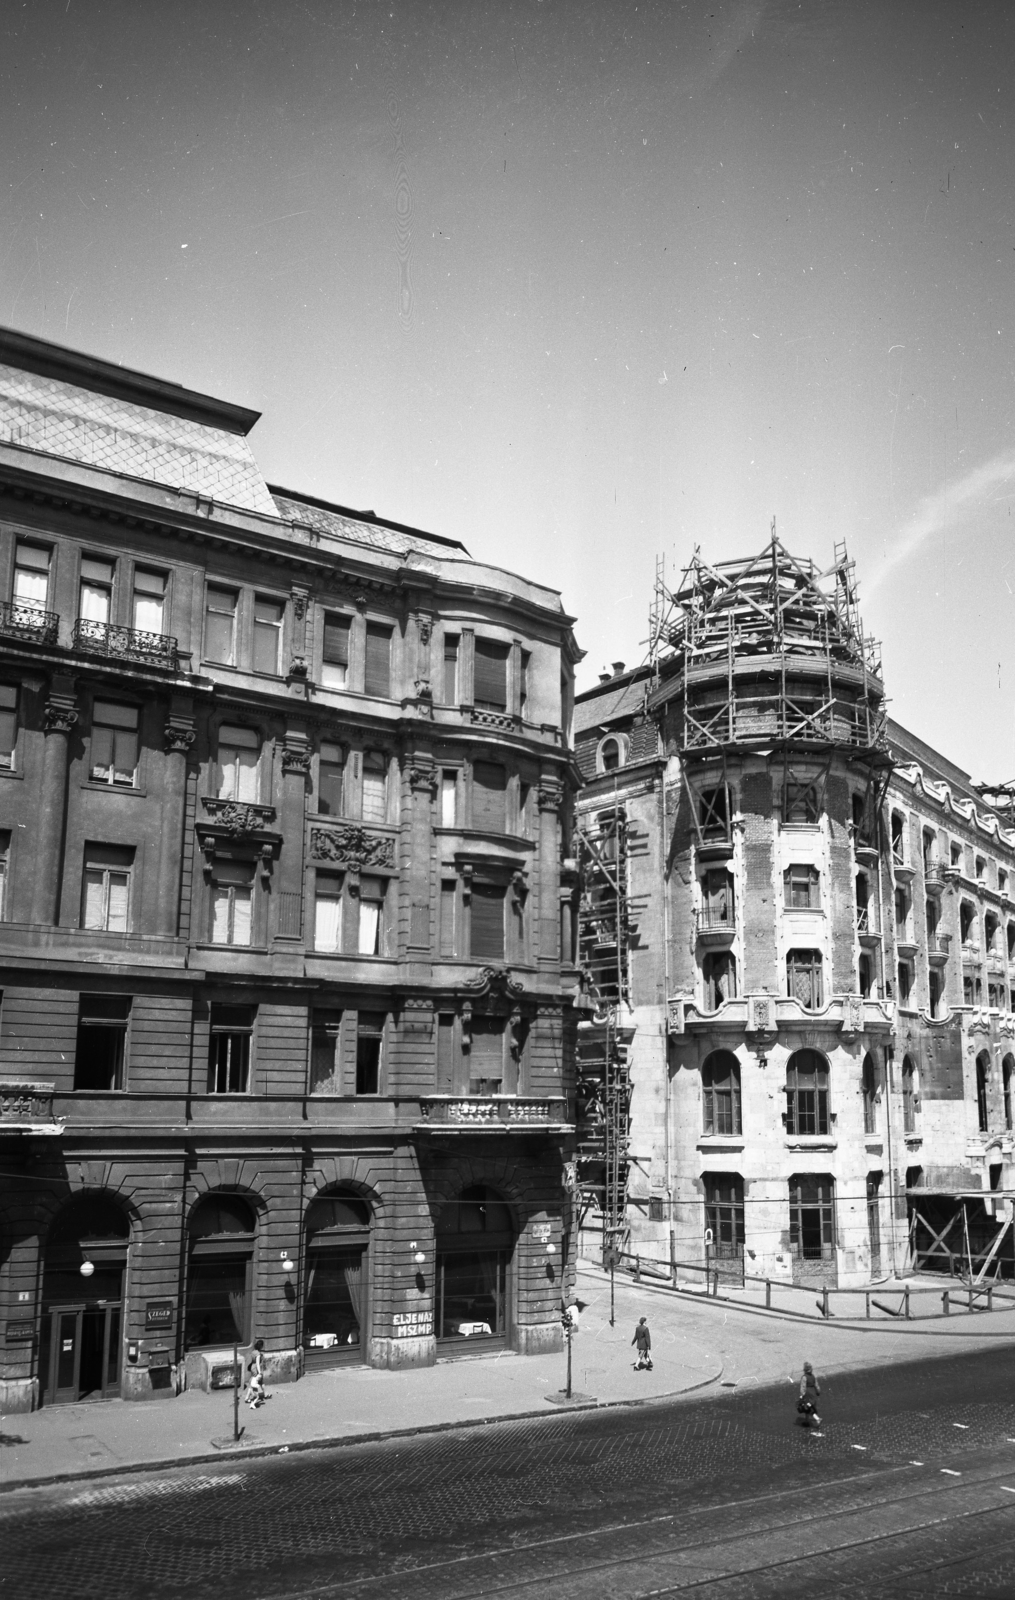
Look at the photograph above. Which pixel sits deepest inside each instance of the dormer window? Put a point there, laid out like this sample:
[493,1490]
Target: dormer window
[612,753]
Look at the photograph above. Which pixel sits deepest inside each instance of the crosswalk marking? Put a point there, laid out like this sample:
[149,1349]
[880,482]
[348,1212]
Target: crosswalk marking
[950,1473]
[964,1425]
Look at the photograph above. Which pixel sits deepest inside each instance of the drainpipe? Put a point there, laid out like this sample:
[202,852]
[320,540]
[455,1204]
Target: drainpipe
[889,1061]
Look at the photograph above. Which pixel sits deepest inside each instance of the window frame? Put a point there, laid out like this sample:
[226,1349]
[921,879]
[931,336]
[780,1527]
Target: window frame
[210,610]
[381,687]
[19,567]
[810,876]
[488,890]
[256,743]
[9,758]
[496,655]
[229,887]
[107,869]
[259,627]
[108,1023]
[820,1111]
[339,766]
[231,1029]
[142,572]
[721,1098]
[371,1071]
[334,623]
[113,729]
[814,965]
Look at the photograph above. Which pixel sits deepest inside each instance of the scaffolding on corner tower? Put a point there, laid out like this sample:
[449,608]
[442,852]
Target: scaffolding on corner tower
[770,655]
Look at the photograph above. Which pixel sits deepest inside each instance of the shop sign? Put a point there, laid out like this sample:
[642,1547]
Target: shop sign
[20,1332]
[413,1324]
[158,1314]
[541,1232]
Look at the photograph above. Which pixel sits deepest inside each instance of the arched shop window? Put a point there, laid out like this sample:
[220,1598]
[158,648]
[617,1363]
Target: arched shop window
[82,1300]
[336,1307]
[475,1240]
[221,1235]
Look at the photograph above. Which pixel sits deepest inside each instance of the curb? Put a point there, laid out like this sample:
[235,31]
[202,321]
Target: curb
[848,1325]
[374,1437]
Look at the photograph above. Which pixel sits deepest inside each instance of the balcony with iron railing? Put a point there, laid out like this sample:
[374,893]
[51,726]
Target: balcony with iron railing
[20,621]
[125,644]
[716,924]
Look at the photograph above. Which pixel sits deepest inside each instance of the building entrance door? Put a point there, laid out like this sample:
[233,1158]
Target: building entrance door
[80,1356]
[874,1221]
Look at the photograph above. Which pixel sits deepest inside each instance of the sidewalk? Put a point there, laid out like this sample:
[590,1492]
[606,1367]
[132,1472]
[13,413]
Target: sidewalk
[356,1403]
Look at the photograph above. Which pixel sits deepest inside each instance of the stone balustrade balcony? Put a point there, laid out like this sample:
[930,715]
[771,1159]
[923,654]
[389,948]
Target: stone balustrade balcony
[499,1113]
[26,1106]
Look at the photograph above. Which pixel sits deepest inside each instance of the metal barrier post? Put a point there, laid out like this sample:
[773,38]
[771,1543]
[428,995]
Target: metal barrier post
[637,1269]
[768,1294]
[990,1297]
[905,1296]
[970,1297]
[868,1300]
[946,1303]
[824,1302]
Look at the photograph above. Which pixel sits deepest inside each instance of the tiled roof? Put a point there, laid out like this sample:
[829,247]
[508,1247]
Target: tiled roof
[603,707]
[114,435]
[339,526]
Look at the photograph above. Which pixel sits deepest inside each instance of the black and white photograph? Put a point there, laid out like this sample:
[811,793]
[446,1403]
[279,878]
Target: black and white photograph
[507,799]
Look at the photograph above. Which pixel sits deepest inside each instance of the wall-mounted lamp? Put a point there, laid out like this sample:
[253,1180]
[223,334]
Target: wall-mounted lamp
[419,1258]
[288,1264]
[86,1268]
[551,1249]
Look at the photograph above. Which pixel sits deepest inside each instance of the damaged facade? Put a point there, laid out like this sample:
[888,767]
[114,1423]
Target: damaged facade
[817,950]
[286,1046]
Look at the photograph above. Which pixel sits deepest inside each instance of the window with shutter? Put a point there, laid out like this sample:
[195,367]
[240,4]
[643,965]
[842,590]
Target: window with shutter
[489,796]
[377,678]
[375,786]
[105,888]
[487,940]
[114,743]
[486,1058]
[489,688]
[335,662]
[450,694]
[8,724]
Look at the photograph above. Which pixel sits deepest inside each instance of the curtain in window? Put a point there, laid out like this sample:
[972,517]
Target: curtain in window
[369,927]
[241,916]
[148,609]
[94,603]
[31,588]
[116,919]
[238,1308]
[352,1272]
[94,896]
[328,922]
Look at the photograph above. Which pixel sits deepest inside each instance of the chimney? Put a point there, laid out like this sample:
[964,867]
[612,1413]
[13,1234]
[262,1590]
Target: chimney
[605,677]
[618,667]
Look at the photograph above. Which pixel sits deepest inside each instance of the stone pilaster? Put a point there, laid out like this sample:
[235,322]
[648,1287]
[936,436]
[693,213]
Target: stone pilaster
[60,716]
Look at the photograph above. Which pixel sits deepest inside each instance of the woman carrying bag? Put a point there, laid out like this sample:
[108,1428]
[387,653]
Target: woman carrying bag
[807,1403]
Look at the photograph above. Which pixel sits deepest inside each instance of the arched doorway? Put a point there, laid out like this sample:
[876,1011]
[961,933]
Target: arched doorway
[221,1235]
[336,1304]
[475,1241]
[82,1301]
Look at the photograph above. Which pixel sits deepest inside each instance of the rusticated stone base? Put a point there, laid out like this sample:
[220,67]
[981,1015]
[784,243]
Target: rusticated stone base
[397,1353]
[538,1338]
[18,1395]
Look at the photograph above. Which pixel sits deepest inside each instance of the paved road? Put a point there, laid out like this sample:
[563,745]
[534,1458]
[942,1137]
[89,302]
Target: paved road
[909,1491]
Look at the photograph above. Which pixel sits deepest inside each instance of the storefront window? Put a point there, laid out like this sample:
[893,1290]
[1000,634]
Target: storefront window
[220,1271]
[335,1317]
[474,1244]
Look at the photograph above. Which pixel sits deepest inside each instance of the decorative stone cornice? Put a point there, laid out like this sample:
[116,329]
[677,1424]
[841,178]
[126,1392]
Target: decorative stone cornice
[238,818]
[353,847]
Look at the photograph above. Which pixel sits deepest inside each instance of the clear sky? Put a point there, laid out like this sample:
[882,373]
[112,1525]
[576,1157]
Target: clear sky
[578,282]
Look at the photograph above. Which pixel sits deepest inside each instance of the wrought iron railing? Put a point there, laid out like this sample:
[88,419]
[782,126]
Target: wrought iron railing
[126,644]
[22,621]
[716,919]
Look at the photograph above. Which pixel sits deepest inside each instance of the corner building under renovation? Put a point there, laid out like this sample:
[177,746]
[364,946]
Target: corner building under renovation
[795,920]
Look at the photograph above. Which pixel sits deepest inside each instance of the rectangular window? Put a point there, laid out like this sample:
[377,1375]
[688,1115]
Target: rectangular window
[523,681]
[377,676]
[489,796]
[31,576]
[486,1057]
[802,886]
[114,743]
[232,903]
[721,1095]
[800,802]
[330,773]
[375,786]
[238,751]
[369,1044]
[328,912]
[812,1216]
[149,601]
[803,975]
[714,814]
[450,693]
[5,852]
[325,1053]
[445,1053]
[371,916]
[489,692]
[719,971]
[8,725]
[267,635]
[220,626]
[335,657]
[449,896]
[449,799]
[487,934]
[232,1029]
[96,599]
[105,888]
[101,1042]
[807,1095]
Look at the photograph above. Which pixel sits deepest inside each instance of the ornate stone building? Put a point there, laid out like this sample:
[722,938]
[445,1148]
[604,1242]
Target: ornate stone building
[285,1038]
[800,919]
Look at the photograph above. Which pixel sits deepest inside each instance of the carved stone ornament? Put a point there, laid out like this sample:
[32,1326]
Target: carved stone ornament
[423,777]
[761,1013]
[852,1014]
[352,847]
[675,1015]
[296,758]
[59,719]
[551,797]
[298,667]
[178,740]
[299,598]
[495,980]
[238,819]
[424,689]
[425,629]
